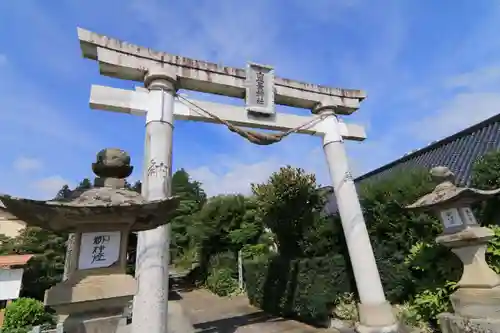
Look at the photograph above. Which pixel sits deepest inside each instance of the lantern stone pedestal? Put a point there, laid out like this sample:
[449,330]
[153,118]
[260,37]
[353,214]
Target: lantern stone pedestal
[97,290]
[476,303]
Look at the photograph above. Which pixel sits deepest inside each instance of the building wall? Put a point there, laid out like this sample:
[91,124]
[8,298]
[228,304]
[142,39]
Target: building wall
[10,226]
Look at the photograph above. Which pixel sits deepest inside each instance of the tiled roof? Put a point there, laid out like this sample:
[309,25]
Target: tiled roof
[14,260]
[458,152]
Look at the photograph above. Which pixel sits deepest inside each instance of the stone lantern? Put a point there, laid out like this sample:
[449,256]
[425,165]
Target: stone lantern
[477,301]
[97,289]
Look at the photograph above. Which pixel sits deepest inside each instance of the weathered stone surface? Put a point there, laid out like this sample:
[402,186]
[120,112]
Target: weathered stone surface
[452,323]
[477,302]
[446,191]
[97,205]
[84,324]
[127,61]
[101,196]
[112,162]
[68,262]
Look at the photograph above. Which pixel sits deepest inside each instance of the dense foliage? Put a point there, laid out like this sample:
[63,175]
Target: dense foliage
[486,176]
[303,287]
[416,272]
[24,313]
[46,268]
[192,198]
[310,268]
[308,275]
[289,203]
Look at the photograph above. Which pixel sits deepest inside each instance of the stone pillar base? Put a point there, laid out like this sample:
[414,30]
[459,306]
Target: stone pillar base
[453,323]
[395,328]
[477,303]
[92,323]
[376,314]
[376,318]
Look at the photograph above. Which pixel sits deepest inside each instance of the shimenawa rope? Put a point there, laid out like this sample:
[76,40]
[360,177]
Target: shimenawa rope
[257,138]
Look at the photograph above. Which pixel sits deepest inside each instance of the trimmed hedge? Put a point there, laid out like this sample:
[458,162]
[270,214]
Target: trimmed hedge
[309,288]
[305,288]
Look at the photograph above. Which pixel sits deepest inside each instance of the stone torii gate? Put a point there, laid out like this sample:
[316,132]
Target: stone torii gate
[162,75]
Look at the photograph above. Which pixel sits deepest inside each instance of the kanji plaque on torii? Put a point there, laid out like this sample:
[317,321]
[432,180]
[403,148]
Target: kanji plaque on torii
[259,93]
[162,75]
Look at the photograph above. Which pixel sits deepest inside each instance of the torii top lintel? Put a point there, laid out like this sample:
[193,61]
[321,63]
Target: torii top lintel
[123,60]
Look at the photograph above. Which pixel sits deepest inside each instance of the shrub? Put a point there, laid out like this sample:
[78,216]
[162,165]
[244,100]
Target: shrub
[288,203]
[16,330]
[186,259]
[249,252]
[26,312]
[409,316]
[486,176]
[396,278]
[431,302]
[225,260]
[305,288]
[493,251]
[388,221]
[221,282]
[346,308]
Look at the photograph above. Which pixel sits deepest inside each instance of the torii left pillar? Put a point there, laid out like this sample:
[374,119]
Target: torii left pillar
[153,246]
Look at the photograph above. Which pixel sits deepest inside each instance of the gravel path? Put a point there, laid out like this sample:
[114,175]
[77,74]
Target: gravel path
[212,314]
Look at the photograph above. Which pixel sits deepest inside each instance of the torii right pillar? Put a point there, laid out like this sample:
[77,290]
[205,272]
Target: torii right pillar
[375,313]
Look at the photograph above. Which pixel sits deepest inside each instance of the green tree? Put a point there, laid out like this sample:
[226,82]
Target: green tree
[136,187]
[394,230]
[384,204]
[85,184]
[6,244]
[46,268]
[225,223]
[192,198]
[486,176]
[63,193]
[290,204]
[25,313]
[486,171]
[223,226]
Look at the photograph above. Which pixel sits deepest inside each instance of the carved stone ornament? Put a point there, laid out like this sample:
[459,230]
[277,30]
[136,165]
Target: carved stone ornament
[447,194]
[107,201]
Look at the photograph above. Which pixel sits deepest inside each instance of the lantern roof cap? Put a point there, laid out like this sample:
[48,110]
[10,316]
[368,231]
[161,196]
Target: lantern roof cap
[107,202]
[447,194]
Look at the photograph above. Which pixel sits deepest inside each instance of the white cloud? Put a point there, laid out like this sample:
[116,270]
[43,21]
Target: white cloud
[3,59]
[481,78]
[215,31]
[470,97]
[24,163]
[462,111]
[235,179]
[232,33]
[49,186]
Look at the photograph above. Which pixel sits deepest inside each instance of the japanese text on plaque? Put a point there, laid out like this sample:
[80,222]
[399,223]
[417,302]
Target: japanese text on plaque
[99,249]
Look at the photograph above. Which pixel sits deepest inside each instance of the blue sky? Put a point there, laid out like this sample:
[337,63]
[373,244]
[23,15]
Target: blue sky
[429,68]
